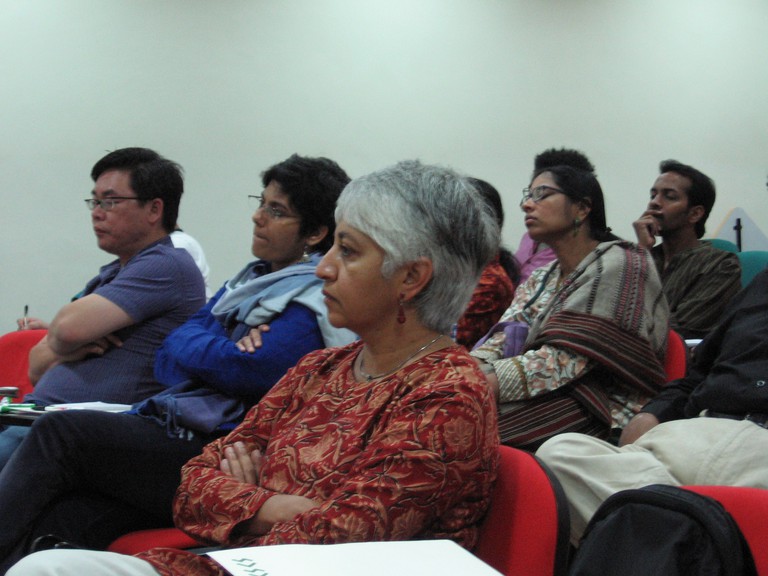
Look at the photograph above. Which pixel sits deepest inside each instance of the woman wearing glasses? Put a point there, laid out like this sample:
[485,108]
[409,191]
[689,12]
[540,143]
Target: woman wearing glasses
[87,477]
[596,322]
[390,438]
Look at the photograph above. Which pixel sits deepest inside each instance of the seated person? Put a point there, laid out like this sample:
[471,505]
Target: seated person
[496,287]
[597,322]
[183,240]
[101,346]
[707,428]
[390,438]
[530,253]
[698,279]
[98,475]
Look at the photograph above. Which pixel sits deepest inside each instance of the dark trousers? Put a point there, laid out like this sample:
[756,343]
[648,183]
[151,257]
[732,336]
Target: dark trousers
[89,477]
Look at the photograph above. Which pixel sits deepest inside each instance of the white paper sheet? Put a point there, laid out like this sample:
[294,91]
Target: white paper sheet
[102,406]
[414,558]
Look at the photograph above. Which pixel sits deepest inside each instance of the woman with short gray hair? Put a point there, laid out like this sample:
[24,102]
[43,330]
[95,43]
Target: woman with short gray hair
[444,222]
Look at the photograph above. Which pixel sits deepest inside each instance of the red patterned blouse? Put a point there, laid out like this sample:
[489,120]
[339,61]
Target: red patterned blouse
[409,456]
[492,296]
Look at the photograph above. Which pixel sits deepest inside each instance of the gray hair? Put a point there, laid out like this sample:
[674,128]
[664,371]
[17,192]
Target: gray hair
[412,210]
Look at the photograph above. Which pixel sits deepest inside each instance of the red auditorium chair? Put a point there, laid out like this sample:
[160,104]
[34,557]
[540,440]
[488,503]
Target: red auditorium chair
[525,532]
[14,359]
[749,508]
[676,360]
[527,529]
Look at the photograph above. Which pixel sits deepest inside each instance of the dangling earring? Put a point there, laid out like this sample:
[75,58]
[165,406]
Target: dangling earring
[576,226]
[305,255]
[401,310]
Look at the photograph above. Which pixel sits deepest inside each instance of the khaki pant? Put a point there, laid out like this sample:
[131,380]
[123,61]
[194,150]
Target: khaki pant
[80,563]
[705,451]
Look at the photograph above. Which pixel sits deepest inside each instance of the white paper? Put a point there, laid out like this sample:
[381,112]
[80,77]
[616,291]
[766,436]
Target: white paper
[101,406]
[417,558]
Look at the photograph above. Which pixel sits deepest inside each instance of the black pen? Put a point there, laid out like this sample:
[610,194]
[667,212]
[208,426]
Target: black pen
[26,322]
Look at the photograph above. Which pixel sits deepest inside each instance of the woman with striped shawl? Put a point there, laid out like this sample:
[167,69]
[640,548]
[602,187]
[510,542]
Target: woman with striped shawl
[596,317]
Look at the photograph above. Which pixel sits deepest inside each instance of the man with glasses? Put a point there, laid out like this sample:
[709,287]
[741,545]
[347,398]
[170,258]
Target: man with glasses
[101,346]
[698,279]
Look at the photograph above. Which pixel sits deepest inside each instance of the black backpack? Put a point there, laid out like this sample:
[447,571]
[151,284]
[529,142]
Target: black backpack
[662,531]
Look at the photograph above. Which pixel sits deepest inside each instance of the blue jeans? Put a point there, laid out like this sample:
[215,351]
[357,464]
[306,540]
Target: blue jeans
[10,438]
[89,477]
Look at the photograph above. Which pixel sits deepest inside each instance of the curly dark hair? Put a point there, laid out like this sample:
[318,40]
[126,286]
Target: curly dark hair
[563,157]
[313,186]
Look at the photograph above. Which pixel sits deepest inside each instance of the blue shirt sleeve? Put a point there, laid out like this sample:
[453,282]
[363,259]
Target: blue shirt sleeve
[202,350]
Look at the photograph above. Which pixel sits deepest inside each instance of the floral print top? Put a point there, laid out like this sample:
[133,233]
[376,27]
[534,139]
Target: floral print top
[543,369]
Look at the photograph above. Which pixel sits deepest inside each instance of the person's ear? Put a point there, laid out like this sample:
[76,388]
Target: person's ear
[417,275]
[317,236]
[156,206]
[695,213]
[583,208]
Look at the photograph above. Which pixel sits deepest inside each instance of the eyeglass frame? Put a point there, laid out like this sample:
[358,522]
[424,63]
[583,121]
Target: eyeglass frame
[538,193]
[271,212]
[108,204]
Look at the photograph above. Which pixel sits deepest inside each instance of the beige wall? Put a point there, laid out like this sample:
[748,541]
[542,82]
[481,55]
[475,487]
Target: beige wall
[227,88]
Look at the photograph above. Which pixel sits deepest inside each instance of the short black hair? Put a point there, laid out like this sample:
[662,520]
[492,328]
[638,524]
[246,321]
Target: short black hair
[491,197]
[152,176]
[493,200]
[700,193]
[313,186]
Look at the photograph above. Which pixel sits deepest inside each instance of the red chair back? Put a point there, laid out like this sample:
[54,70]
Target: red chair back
[527,527]
[676,360]
[14,359]
[143,540]
[749,508]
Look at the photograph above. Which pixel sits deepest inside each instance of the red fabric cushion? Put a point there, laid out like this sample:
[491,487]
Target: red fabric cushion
[676,361]
[526,529]
[749,507]
[14,359]
[142,540]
